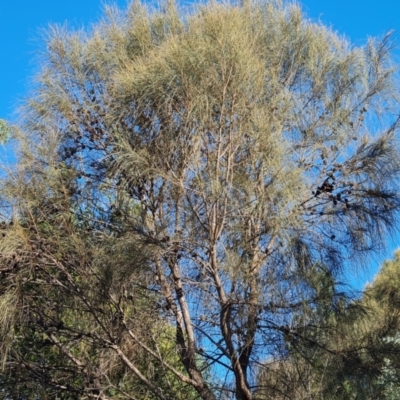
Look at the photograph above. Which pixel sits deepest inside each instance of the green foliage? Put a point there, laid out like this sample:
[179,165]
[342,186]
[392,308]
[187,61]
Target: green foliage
[4,131]
[199,181]
[64,288]
[360,357]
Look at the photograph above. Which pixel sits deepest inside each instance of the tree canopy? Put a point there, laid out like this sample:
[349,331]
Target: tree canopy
[360,352]
[190,190]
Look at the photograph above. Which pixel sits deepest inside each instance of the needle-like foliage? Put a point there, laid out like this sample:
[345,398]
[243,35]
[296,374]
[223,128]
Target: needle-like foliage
[242,157]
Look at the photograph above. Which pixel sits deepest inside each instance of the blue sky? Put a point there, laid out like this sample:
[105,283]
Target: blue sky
[21,22]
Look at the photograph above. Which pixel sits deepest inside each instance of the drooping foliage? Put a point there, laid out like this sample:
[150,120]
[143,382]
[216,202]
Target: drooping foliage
[69,293]
[227,167]
[359,358]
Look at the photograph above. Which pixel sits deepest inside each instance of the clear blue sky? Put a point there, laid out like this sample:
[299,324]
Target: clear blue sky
[21,21]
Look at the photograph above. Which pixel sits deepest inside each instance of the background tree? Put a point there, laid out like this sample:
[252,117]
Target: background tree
[382,297]
[4,130]
[359,358]
[239,160]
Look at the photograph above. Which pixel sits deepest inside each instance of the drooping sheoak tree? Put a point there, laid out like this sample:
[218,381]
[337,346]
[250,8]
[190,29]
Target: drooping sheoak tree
[229,158]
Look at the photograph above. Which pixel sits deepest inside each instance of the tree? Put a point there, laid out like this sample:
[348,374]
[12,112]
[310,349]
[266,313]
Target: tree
[67,292]
[242,152]
[359,358]
[381,323]
[4,131]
